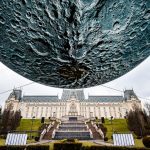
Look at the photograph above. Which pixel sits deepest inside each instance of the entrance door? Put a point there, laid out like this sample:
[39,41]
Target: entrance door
[73,110]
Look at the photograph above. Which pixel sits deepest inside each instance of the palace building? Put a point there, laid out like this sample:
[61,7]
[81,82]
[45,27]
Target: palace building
[72,103]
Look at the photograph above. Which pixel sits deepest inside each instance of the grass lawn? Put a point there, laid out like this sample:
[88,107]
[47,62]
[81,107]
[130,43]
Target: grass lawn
[138,143]
[118,125]
[87,143]
[26,124]
[2,142]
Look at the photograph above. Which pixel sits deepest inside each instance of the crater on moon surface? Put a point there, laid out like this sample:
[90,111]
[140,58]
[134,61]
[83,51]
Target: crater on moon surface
[74,43]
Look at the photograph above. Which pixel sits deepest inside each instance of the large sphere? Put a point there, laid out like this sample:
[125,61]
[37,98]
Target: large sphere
[74,43]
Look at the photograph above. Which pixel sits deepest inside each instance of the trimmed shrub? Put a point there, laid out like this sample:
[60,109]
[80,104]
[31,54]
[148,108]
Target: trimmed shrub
[37,147]
[146,141]
[104,129]
[111,148]
[138,137]
[105,139]
[37,138]
[67,146]
[30,147]
[12,147]
[3,148]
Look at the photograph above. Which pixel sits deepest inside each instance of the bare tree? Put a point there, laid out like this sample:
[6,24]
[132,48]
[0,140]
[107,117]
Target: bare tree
[147,107]
[10,120]
[138,121]
[16,120]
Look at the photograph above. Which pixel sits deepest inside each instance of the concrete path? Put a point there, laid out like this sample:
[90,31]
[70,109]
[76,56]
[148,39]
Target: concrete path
[40,142]
[101,142]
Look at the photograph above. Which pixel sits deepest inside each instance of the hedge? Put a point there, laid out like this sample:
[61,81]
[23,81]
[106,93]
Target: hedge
[30,147]
[112,148]
[38,147]
[12,147]
[146,141]
[67,146]
[78,146]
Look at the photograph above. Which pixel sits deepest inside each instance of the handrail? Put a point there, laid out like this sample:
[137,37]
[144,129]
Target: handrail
[98,130]
[49,127]
[42,134]
[91,135]
[53,134]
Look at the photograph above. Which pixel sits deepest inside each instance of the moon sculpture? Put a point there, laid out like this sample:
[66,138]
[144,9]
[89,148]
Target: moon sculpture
[74,43]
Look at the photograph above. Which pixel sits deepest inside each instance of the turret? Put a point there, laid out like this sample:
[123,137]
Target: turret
[131,99]
[129,95]
[13,100]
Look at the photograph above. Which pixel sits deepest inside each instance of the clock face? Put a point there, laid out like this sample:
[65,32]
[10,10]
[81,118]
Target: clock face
[74,43]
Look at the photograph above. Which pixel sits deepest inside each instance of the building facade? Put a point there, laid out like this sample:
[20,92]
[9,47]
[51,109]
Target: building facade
[72,103]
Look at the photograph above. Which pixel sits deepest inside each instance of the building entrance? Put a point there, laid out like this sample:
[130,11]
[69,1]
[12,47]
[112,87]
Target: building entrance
[73,110]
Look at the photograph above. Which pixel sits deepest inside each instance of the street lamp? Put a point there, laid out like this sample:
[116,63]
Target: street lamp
[111,118]
[20,122]
[31,126]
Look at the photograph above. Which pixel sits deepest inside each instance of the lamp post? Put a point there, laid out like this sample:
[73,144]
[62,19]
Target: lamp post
[111,122]
[20,122]
[31,127]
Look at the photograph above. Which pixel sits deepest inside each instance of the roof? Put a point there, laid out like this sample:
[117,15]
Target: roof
[128,94]
[105,98]
[40,98]
[77,94]
[16,93]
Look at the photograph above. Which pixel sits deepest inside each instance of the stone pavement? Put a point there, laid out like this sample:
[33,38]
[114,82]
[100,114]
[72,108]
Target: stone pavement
[101,142]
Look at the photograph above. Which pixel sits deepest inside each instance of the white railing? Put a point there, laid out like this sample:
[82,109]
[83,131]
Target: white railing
[49,127]
[53,134]
[101,133]
[42,134]
[98,130]
[91,135]
[87,126]
[57,127]
[53,123]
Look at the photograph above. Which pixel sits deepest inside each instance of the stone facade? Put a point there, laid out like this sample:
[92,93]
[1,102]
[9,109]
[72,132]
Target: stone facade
[72,103]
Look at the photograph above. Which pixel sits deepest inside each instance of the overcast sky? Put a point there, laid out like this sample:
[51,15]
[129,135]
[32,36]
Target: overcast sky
[138,79]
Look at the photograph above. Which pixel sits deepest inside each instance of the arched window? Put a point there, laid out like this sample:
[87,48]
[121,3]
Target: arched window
[73,110]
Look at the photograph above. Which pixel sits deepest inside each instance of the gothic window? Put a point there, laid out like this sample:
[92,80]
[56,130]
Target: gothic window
[27,112]
[46,112]
[41,112]
[32,114]
[99,111]
[73,110]
[37,110]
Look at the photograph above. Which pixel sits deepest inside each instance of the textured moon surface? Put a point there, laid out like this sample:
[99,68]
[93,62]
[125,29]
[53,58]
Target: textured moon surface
[74,43]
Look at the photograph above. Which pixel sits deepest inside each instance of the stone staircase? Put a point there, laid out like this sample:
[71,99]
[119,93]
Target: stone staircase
[72,129]
[96,135]
[48,135]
